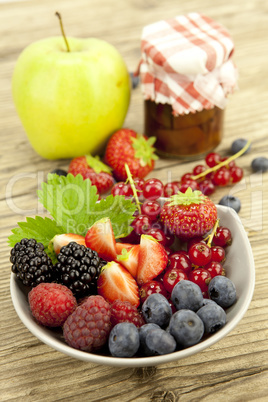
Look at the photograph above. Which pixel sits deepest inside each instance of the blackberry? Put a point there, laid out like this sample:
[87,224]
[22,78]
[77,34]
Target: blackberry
[78,268]
[59,172]
[30,263]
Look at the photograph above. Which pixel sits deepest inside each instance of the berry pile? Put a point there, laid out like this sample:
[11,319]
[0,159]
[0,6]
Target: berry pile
[160,289]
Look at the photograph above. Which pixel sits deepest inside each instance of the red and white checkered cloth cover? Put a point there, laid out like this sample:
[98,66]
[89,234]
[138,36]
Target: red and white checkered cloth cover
[186,62]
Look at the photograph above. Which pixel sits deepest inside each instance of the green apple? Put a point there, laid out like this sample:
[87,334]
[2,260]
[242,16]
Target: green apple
[70,102]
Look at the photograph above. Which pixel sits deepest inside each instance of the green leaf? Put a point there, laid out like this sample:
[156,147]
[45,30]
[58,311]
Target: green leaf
[38,228]
[69,200]
[118,209]
[73,203]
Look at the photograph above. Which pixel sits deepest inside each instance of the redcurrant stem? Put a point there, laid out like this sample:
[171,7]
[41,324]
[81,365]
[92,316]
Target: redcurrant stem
[214,168]
[133,187]
[211,235]
[62,31]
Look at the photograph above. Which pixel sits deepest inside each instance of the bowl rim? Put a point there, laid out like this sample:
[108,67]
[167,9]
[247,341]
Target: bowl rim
[40,332]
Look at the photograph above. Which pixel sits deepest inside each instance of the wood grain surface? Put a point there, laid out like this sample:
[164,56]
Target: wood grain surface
[236,368]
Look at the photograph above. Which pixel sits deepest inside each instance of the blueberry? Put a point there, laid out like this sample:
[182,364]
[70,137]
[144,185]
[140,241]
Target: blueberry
[187,295]
[159,342]
[59,172]
[186,327]
[222,290]
[143,332]
[238,144]
[213,317]
[124,340]
[135,79]
[208,301]
[231,201]
[156,309]
[260,164]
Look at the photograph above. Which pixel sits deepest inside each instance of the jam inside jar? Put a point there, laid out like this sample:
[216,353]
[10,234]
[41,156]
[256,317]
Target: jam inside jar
[183,136]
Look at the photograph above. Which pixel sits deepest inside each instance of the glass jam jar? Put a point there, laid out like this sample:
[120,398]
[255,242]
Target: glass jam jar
[184,136]
[186,74]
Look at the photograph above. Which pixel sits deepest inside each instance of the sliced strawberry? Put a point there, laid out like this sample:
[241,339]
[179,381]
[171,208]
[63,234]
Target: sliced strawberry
[119,247]
[61,240]
[100,237]
[153,259]
[115,282]
[129,259]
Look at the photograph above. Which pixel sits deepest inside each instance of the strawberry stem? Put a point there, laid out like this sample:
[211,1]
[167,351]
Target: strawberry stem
[133,187]
[214,168]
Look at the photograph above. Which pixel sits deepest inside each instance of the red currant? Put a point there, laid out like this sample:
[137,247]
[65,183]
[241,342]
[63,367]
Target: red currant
[170,238]
[221,177]
[132,238]
[217,253]
[230,164]
[122,188]
[180,260]
[236,174]
[171,188]
[173,276]
[159,235]
[214,268]
[141,224]
[153,189]
[151,209]
[186,176]
[198,169]
[200,254]
[139,184]
[207,187]
[201,277]
[189,183]
[222,237]
[194,240]
[213,159]
[151,287]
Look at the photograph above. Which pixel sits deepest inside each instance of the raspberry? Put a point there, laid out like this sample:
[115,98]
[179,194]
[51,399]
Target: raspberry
[51,303]
[124,311]
[88,327]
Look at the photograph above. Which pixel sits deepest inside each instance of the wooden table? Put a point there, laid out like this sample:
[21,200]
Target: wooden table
[236,368]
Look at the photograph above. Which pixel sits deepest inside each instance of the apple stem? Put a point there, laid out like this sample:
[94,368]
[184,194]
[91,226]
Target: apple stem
[62,31]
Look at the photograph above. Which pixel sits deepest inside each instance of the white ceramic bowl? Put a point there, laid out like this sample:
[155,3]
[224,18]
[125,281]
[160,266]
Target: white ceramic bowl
[239,268]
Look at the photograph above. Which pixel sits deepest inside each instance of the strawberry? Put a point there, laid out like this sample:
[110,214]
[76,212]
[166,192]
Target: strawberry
[92,168]
[116,283]
[61,240]
[129,259]
[189,214]
[126,146]
[100,237]
[119,247]
[153,259]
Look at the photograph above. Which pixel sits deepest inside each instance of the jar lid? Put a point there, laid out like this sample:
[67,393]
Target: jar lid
[186,62]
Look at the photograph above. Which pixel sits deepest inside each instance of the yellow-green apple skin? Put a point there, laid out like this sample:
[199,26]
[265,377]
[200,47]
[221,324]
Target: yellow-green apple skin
[70,103]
